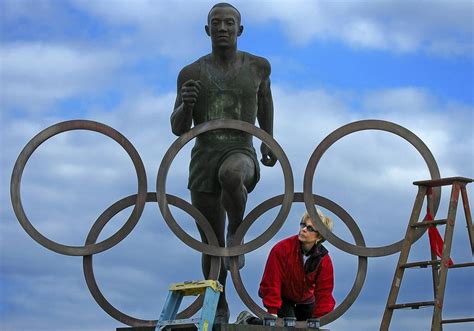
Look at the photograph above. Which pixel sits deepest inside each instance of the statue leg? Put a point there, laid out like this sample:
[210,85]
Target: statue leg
[236,173]
[209,204]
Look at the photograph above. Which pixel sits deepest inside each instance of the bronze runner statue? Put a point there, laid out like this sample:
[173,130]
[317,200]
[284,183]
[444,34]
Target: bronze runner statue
[225,84]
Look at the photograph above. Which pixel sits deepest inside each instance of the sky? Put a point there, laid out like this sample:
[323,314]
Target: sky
[333,62]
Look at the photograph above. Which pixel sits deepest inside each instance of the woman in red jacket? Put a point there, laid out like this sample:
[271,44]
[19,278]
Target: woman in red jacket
[299,278]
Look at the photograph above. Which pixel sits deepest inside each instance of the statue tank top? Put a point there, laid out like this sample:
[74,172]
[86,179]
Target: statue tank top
[232,96]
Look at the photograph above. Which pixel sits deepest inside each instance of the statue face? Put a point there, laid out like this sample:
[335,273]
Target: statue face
[224,27]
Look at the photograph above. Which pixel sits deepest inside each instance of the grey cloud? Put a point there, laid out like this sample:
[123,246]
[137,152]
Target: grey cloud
[38,74]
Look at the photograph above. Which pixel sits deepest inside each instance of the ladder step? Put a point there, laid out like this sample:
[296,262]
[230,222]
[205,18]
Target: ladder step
[421,264]
[462,265]
[424,264]
[428,223]
[412,305]
[458,320]
[184,322]
[179,324]
[442,181]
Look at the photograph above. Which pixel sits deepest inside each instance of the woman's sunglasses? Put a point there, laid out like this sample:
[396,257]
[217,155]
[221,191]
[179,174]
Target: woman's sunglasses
[308,227]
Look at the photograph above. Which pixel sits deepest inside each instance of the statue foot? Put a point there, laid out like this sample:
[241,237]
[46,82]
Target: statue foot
[222,316]
[241,262]
[227,262]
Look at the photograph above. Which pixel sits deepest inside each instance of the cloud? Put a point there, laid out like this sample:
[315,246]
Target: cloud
[36,74]
[440,27]
[445,127]
[365,168]
[371,170]
[311,115]
[74,176]
[154,27]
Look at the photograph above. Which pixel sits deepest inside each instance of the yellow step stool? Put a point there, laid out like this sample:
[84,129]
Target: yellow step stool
[211,290]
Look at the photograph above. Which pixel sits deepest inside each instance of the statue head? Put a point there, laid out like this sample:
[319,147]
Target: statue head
[223,25]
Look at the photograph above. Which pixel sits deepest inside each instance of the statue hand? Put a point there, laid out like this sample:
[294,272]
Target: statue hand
[268,157]
[190,92]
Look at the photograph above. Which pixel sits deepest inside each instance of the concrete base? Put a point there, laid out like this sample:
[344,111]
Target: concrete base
[137,328]
[226,327]
[240,327]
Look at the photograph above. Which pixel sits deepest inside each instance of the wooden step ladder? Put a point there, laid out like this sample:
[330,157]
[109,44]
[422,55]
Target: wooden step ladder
[211,290]
[439,266]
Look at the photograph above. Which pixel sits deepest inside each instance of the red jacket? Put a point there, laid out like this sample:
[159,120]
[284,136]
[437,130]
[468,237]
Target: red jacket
[285,277]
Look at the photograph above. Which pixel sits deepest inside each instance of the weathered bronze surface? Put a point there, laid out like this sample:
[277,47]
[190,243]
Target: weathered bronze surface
[225,84]
[236,249]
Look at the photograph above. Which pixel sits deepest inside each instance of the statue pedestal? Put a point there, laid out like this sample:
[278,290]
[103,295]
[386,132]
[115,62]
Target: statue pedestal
[227,327]
[137,328]
[241,327]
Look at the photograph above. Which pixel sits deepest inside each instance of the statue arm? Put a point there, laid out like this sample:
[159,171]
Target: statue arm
[265,113]
[186,97]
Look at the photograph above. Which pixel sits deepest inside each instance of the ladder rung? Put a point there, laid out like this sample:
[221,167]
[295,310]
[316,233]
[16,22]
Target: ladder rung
[421,264]
[458,320]
[428,223]
[186,321]
[412,305]
[462,265]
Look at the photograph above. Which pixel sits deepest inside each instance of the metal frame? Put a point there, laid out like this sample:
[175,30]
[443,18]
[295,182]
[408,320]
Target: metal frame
[328,142]
[237,249]
[285,201]
[26,153]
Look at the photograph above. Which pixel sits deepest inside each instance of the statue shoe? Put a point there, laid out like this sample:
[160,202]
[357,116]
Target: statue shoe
[222,316]
[229,242]
[244,318]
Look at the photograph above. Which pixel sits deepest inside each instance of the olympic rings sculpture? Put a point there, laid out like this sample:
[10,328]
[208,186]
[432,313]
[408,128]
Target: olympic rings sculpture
[163,199]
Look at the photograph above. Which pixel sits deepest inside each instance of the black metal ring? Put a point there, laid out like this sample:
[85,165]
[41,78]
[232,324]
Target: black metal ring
[216,250]
[26,153]
[324,146]
[320,201]
[94,233]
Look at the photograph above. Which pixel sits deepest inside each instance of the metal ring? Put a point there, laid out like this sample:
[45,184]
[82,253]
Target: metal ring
[213,248]
[320,201]
[28,150]
[94,233]
[324,146]
[216,250]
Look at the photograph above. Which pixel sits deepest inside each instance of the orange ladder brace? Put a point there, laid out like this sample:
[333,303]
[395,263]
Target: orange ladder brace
[441,266]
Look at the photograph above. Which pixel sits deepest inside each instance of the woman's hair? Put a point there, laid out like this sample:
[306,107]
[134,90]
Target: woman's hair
[326,220]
